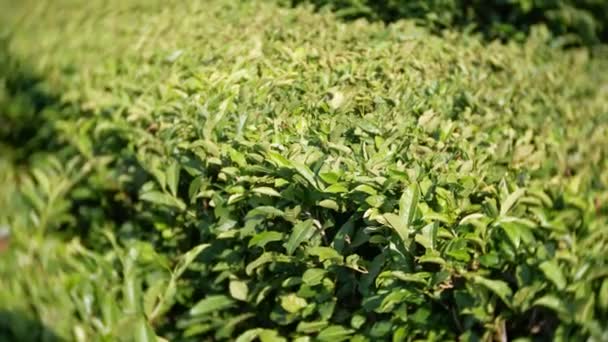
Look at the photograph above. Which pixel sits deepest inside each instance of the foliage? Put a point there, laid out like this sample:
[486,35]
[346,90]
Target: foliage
[237,171]
[579,21]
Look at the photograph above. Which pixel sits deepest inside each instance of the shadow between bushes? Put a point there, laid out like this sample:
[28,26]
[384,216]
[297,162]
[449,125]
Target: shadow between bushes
[24,107]
[29,112]
[583,22]
[16,326]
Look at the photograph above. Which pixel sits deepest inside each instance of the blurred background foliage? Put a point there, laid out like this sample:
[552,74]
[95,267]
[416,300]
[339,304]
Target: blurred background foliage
[576,21]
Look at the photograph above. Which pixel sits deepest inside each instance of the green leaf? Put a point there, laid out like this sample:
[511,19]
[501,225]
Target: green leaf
[172,176]
[153,295]
[325,253]
[305,172]
[264,238]
[513,232]
[399,225]
[211,304]
[188,258]
[375,201]
[499,287]
[585,309]
[131,283]
[554,273]
[420,278]
[313,276]
[330,177]
[428,235]
[357,321]
[311,327]
[335,333]
[228,327]
[143,331]
[265,258]
[366,189]
[368,127]
[329,204]
[431,259]
[408,204]
[292,303]
[269,335]
[302,231]
[261,260]
[336,100]
[552,302]
[249,335]
[266,191]
[194,329]
[265,211]
[407,211]
[603,295]
[508,203]
[279,160]
[336,188]
[237,157]
[160,198]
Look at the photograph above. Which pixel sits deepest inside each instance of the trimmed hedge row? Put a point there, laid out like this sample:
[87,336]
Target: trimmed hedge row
[227,170]
[579,21]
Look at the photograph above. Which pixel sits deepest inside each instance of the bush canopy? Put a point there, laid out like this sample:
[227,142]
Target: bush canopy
[221,170]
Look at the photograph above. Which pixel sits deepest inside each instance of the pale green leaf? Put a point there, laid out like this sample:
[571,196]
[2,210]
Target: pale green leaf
[336,188]
[266,191]
[335,333]
[238,290]
[211,304]
[329,204]
[292,303]
[311,327]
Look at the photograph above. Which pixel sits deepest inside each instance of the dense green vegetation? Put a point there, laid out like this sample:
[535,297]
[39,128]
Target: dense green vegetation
[226,170]
[572,21]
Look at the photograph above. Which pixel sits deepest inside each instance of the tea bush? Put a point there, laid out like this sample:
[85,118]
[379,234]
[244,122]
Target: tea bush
[227,170]
[579,21]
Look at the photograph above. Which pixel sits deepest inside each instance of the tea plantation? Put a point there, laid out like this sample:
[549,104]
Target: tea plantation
[244,170]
